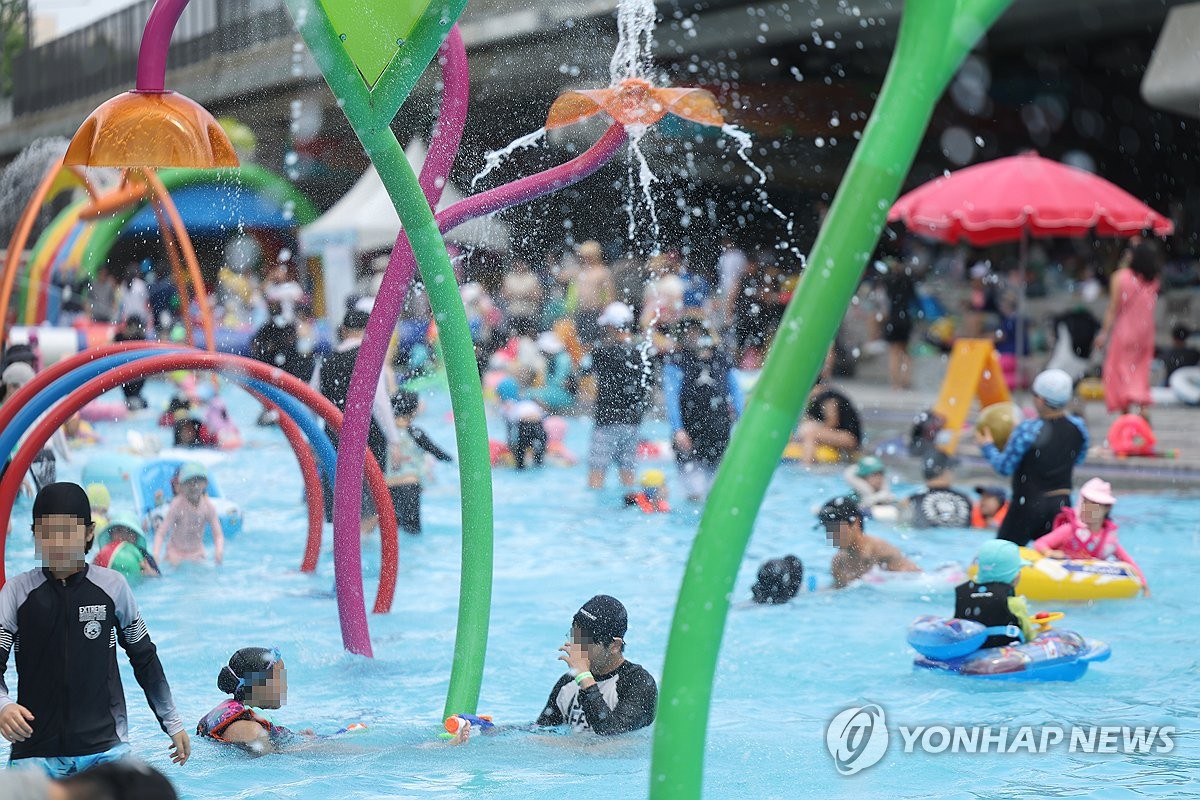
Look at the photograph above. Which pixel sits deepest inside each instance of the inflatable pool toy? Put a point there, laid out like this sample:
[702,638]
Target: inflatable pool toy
[499,454]
[100,411]
[1185,384]
[953,645]
[884,512]
[1090,389]
[1131,435]
[123,557]
[824,454]
[1074,579]
[654,450]
[939,581]
[144,485]
[1000,419]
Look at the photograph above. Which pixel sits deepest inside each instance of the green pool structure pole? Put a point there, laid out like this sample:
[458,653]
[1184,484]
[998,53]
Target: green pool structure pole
[470,422]
[370,112]
[935,36]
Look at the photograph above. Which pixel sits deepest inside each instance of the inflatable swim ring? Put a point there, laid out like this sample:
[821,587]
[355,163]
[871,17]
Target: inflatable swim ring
[824,454]
[1185,383]
[98,411]
[1090,389]
[952,645]
[123,557]
[939,581]
[654,450]
[884,512]
[1074,579]
[1131,435]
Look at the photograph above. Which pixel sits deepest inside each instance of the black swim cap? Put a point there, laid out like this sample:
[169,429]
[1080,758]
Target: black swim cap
[68,499]
[127,779]
[404,403]
[779,579]
[244,669]
[840,509]
[604,618]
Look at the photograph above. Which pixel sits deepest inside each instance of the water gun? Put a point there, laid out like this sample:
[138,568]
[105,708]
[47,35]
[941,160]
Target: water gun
[454,723]
[353,727]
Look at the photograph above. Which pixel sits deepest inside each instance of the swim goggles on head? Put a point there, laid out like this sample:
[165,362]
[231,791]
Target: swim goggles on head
[259,676]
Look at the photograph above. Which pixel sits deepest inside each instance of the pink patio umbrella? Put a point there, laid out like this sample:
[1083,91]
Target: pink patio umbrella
[1011,199]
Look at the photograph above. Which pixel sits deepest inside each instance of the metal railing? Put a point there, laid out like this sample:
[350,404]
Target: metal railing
[103,55]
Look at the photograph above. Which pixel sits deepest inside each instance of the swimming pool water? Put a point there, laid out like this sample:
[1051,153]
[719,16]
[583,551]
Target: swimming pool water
[784,671]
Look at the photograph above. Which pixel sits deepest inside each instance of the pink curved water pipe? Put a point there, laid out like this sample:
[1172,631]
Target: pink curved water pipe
[156,40]
[352,444]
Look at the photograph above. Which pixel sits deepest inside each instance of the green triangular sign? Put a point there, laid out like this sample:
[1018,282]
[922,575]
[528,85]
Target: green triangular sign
[372,31]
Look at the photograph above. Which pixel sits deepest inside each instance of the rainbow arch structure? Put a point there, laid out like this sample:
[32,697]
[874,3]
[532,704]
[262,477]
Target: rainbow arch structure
[72,248]
[68,385]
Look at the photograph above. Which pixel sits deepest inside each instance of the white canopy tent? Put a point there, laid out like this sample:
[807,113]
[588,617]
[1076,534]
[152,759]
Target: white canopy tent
[365,220]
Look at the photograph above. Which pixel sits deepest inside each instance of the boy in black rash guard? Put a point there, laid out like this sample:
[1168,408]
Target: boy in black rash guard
[622,382]
[601,692]
[64,622]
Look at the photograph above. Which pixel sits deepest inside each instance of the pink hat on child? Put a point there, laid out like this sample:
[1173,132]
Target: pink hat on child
[1098,491]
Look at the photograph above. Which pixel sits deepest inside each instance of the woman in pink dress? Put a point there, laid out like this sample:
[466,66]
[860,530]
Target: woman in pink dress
[1133,294]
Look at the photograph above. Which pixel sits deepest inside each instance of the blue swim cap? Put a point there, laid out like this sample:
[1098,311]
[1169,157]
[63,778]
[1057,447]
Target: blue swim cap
[191,471]
[999,561]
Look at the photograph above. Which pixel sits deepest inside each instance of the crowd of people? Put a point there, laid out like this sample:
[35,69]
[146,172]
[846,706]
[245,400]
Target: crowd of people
[70,717]
[580,337]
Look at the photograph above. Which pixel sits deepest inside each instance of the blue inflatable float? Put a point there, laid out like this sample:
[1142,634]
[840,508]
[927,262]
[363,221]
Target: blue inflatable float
[143,486]
[953,645]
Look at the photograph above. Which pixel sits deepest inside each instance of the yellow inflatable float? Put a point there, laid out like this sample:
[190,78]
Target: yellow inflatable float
[824,454]
[1048,579]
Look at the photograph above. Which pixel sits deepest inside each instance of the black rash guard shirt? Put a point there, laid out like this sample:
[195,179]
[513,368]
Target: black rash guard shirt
[621,701]
[65,634]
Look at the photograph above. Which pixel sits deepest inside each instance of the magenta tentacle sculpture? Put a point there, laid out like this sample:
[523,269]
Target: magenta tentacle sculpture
[534,186]
[156,39]
[352,447]
[398,276]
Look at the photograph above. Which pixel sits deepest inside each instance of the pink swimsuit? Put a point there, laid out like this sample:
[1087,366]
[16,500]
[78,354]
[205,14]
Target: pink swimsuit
[184,528]
[1077,540]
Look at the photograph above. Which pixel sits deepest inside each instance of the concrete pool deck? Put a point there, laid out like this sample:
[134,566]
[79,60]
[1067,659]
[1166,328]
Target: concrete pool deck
[888,416]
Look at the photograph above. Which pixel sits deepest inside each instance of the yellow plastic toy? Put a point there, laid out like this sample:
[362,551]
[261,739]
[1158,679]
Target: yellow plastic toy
[1050,579]
[974,371]
[1043,620]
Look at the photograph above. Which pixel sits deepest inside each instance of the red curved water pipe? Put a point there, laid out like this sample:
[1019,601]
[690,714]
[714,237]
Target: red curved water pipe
[312,481]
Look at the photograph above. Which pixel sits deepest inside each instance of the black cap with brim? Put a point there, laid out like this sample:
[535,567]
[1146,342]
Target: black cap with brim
[603,617]
[65,499]
[993,490]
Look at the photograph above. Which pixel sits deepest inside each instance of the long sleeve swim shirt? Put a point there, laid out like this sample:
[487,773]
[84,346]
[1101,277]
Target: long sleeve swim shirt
[65,635]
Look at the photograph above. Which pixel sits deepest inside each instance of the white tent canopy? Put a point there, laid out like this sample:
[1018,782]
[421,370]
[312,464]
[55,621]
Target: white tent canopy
[364,219]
